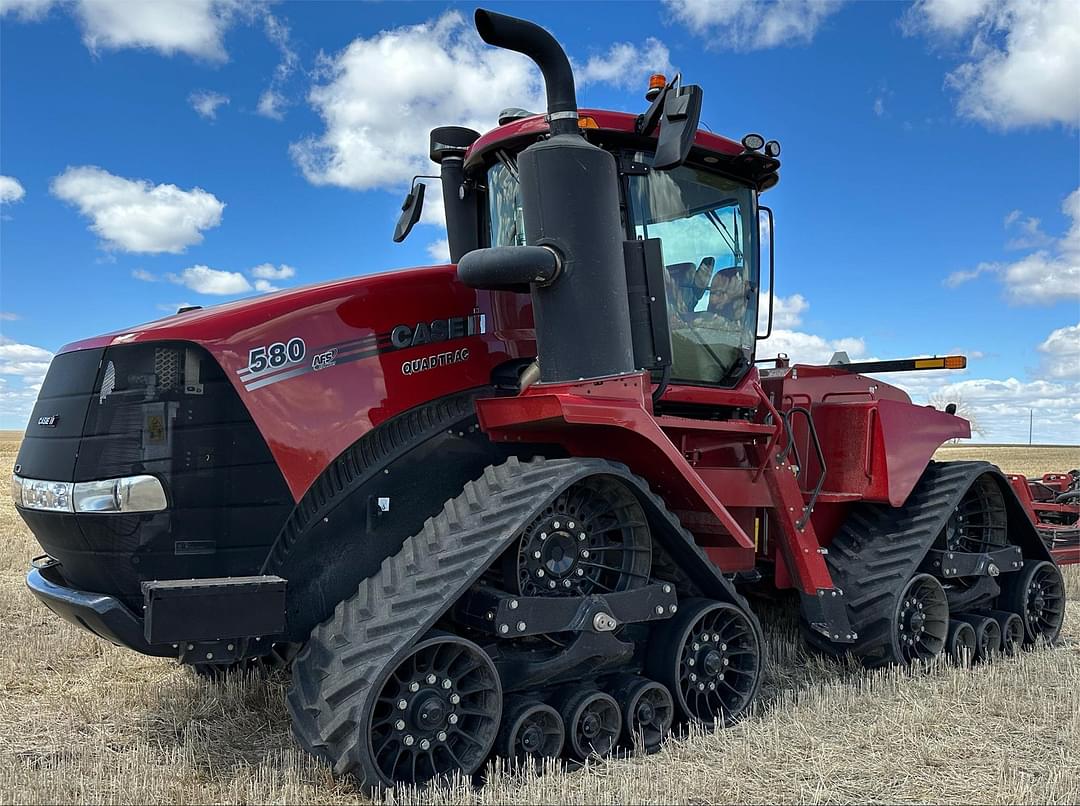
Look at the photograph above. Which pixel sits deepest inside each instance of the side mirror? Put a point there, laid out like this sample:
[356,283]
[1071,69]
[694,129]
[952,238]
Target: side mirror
[682,112]
[410,212]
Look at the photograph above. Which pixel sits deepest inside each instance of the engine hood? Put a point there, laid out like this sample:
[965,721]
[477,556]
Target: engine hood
[222,321]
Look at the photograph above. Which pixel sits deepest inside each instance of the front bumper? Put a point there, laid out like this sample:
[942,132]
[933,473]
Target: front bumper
[104,616]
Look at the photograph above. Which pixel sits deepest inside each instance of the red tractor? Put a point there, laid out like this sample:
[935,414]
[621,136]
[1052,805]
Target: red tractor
[513,505]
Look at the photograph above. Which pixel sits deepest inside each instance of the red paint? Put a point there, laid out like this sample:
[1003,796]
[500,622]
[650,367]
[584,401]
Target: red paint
[309,420]
[527,129]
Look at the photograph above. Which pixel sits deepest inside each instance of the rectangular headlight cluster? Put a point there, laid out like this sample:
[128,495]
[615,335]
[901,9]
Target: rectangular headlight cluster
[128,494]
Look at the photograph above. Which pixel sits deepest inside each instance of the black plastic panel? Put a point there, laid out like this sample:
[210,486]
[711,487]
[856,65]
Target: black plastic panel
[52,435]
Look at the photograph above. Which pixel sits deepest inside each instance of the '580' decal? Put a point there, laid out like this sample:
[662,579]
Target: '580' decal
[276,355]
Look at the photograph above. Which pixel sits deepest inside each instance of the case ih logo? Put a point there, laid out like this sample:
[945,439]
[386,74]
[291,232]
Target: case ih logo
[50,421]
[455,327]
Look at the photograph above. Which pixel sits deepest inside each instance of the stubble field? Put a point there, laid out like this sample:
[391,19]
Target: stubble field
[82,721]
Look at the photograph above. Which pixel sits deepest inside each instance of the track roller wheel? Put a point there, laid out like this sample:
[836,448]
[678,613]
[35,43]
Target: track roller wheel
[710,658]
[1037,594]
[593,723]
[1012,630]
[531,731]
[437,713]
[920,621]
[961,644]
[648,711]
[987,635]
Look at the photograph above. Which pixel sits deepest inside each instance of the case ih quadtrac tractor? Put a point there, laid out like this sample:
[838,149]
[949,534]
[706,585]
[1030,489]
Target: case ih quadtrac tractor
[513,505]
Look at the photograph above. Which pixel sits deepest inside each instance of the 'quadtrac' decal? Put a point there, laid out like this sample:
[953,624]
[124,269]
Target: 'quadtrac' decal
[270,364]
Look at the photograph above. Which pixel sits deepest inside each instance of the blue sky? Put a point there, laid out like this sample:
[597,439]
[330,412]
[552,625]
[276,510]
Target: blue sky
[195,151]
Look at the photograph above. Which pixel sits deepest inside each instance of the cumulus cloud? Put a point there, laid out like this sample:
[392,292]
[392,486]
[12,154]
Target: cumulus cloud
[1044,277]
[134,215]
[800,347]
[1022,57]
[626,65]
[144,275]
[11,190]
[439,250]
[22,369]
[752,24]
[381,95]
[268,271]
[435,73]
[193,27]
[206,103]
[204,280]
[1061,353]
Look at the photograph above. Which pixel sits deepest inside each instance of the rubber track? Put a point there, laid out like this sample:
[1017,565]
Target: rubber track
[347,657]
[879,548]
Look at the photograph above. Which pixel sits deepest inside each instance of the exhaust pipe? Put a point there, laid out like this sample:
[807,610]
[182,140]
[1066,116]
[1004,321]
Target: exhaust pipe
[530,39]
[570,200]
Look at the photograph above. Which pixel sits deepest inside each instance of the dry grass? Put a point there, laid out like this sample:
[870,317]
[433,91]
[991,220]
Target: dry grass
[1030,460]
[86,722]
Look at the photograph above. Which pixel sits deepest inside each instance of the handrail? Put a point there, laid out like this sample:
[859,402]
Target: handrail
[809,508]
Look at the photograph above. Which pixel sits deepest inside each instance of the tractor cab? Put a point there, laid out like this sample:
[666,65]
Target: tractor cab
[697,201]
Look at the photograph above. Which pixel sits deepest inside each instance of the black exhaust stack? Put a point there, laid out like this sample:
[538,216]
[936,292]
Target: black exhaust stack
[569,193]
[447,147]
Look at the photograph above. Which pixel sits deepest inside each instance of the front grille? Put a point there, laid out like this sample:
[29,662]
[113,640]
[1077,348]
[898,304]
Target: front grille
[168,410]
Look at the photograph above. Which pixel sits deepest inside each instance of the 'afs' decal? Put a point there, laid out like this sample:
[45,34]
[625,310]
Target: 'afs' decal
[267,365]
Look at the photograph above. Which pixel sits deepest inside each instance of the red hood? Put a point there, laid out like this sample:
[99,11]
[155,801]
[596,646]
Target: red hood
[222,320]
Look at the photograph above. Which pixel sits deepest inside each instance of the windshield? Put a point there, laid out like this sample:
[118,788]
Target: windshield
[710,274]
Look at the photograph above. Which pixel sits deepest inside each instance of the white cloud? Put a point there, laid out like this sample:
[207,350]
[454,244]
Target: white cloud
[271,105]
[194,27]
[268,271]
[787,311]
[26,10]
[12,351]
[1062,353]
[439,250]
[134,215]
[272,102]
[1028,229]
[1044,277]
[751,24]
[1022,60]
[204,280]
[879,106]
[1002,407]
[11,190]
[382,95]
[144,275]
[8,316]
[626,65]
[206,103]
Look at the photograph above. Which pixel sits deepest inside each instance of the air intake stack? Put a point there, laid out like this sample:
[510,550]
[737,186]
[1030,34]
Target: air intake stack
[574,265]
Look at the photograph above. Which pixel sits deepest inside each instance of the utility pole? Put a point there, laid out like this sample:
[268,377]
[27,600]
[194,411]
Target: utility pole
[1031,420]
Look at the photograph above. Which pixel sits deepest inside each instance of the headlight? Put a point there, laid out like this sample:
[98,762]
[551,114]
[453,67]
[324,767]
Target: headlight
[16,490]
[128,494]
[54,496]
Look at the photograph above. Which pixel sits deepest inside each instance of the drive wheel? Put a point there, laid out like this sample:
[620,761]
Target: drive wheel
[593,538]
[961,644]
[648,711]
[593,723]
[436,713]
[710,658]
[531,730]
[920,621]
[1037,594]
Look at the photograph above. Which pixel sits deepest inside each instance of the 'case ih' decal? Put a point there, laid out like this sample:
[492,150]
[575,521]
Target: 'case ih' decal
[283,360]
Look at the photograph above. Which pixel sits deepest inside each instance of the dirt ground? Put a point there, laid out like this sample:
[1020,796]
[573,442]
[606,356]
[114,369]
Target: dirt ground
[83,721]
